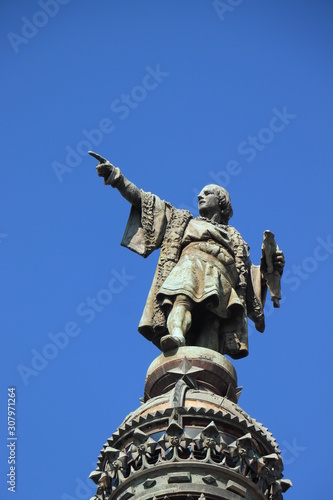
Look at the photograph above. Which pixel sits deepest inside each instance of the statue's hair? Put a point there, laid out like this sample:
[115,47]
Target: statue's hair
[224,201]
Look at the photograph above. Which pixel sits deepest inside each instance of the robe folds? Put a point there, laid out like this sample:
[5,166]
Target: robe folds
[206,261]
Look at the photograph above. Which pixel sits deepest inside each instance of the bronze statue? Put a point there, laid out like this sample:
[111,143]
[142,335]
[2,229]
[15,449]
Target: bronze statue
[205,285]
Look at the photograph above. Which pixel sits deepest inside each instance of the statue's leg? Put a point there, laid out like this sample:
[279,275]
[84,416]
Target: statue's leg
[178,324]
[209,332]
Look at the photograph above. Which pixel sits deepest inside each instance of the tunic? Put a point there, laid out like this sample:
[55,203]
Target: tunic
[206,270]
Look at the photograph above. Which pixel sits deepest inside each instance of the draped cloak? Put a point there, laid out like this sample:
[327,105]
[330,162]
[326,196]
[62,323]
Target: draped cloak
[208,262]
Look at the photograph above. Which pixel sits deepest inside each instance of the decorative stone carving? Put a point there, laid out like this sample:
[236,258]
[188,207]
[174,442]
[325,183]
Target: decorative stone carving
[207,445]
[141,450]
[269,468]
[115,467]
[242,454]
[210,440]
[175,442]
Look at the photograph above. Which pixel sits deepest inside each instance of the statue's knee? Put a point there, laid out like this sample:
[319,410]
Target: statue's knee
[184,301]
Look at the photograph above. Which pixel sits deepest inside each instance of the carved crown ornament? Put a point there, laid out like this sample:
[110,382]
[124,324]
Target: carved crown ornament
[208,445]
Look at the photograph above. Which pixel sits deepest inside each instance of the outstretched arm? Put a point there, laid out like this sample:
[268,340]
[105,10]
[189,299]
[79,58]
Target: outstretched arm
[113,177]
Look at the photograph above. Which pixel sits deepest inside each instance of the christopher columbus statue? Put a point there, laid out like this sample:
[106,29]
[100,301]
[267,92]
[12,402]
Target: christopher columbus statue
[205,285]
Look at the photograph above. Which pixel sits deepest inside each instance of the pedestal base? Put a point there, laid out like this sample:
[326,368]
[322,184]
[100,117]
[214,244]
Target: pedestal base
[190,439]
[200,368]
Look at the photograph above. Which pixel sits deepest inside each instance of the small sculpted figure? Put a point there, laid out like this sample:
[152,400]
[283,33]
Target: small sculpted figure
[205,285]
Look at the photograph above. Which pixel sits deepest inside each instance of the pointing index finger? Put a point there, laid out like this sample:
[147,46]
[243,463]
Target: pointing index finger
[98,157]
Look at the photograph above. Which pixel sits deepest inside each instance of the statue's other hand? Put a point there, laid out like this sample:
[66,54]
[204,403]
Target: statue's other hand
[279,261]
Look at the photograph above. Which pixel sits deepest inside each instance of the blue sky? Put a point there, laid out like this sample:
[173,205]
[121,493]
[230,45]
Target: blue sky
[178,94]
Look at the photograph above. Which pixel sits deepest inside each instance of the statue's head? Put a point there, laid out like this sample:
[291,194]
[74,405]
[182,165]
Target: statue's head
[213,197]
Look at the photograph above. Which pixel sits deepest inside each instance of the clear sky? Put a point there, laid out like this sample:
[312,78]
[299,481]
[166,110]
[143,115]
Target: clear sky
[178,94]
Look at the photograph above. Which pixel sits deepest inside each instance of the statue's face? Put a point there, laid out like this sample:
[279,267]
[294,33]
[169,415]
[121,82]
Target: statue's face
[209,200]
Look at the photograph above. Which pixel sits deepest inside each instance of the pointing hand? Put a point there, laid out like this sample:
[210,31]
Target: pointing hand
[104,168]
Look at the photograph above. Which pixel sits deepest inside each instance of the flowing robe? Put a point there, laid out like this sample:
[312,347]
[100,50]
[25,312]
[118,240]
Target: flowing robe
[207,262]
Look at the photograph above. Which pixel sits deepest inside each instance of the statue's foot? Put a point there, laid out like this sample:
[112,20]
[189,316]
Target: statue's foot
[169,342]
